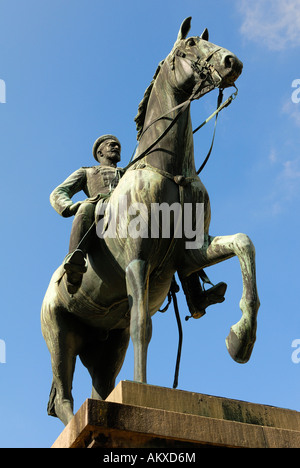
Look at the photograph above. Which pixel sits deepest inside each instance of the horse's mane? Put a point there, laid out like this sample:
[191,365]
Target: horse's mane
[141,114]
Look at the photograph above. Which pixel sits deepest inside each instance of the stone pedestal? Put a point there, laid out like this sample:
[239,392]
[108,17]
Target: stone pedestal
[146,416]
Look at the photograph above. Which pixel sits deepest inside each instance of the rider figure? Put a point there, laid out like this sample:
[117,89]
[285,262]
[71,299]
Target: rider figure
[97,182]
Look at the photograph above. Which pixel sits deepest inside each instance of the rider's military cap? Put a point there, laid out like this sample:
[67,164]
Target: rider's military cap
[101,140]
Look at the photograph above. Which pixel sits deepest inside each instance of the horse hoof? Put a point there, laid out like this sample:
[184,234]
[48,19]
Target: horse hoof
[240,349]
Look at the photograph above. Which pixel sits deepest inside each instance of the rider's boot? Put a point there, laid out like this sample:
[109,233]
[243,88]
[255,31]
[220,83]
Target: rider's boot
[75,266]
[75,263]
[199,299]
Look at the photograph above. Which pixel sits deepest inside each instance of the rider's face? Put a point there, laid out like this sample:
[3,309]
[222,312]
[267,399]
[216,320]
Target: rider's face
[109,152]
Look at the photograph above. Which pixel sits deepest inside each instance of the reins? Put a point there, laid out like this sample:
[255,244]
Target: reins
[205,70]
[220,107]
[174,289]
[182,108]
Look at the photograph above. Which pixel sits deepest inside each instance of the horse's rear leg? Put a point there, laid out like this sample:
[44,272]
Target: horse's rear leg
[104,359]
[241,338]
[137,279]
[64,342]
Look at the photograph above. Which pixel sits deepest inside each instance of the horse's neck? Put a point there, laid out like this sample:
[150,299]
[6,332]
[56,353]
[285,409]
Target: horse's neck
[175,152]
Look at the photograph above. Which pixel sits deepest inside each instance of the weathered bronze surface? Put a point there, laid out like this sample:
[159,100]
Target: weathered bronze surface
[125,280]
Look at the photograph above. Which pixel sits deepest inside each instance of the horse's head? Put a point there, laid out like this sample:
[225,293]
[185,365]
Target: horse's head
[197,62]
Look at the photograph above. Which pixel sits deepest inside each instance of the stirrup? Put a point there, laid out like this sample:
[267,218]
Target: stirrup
[72,288]
[213,295]
[75,266]
[76,262]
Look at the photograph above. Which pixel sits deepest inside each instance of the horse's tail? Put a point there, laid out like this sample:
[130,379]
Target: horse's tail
[49,329]
[51,403]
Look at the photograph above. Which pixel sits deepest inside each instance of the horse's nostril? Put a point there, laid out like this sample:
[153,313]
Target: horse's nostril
[232,64]
[229,61]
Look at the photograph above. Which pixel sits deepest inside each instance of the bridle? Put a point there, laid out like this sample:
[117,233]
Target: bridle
[204,69]
[206,72]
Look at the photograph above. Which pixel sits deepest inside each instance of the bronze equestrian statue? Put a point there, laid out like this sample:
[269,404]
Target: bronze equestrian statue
[98,299]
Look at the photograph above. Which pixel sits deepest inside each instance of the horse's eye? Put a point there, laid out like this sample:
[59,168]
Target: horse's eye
[190,42]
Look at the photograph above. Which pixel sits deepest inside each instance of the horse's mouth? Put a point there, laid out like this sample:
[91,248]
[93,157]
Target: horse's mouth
[230,76]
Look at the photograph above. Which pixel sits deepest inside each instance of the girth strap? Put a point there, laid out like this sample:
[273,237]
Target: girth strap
[180,180]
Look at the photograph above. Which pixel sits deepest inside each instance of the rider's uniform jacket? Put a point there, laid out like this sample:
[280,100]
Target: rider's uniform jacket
[95,181]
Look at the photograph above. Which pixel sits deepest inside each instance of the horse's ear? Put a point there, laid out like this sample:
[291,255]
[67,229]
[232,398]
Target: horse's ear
[184,28]
[205,35]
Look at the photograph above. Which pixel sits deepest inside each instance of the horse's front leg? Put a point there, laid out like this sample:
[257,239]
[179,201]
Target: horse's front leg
[137,279]
[241,338]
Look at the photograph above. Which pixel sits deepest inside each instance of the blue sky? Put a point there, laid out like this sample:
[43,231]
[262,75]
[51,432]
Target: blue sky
[75,70]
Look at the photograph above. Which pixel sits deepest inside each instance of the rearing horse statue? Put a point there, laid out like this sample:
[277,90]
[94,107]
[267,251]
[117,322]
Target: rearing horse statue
[129,277]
